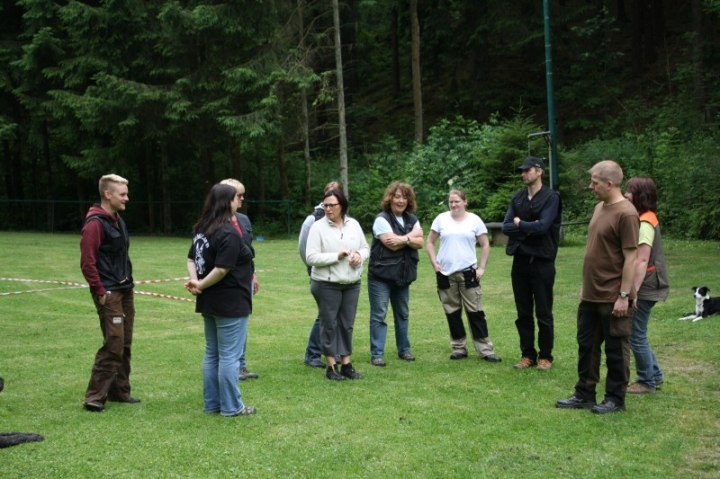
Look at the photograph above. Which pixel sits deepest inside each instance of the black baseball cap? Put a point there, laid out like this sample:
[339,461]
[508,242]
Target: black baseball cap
[531,162]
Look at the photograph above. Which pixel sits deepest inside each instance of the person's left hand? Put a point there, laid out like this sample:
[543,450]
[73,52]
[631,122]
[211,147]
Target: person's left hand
[192,286]
[620,308]
[355,259]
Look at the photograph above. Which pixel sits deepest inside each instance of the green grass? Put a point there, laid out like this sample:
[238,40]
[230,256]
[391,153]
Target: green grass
[431,418]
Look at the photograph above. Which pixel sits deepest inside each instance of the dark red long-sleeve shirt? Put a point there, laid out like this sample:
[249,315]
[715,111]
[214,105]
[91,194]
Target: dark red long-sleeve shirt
[93,235]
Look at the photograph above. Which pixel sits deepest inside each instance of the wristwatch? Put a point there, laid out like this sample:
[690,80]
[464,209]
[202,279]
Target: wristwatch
[407,240]
[624,295]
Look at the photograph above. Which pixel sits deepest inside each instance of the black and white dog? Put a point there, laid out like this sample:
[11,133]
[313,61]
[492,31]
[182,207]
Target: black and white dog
[704,305]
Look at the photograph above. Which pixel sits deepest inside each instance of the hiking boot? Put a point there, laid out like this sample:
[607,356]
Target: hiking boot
[492,358]
[525,362]
[377,362]
[608,406]
[574,402]
[458,354]
[245,374]
[407,357]
[349,372]
[333,374]
[544,365]
[640,388]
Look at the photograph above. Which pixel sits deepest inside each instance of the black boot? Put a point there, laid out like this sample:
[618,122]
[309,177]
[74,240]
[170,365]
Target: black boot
[333,374]
[349,372]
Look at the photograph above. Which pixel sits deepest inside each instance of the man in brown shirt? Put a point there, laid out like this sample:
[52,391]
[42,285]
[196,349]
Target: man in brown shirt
[604,313]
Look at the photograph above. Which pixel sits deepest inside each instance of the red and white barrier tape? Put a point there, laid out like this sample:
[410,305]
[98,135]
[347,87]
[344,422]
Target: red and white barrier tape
[73,285]
[40,290]
[151,281]
[69,283]
[166,296]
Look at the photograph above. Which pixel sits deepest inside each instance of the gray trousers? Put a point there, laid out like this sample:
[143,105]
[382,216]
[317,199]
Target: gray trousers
[337,305]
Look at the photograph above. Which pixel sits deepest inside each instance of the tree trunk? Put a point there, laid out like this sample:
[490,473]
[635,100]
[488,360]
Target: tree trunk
[417,85]
[282,166]
[260,165]
[236,159]
[305,120]
[697,47]
[49,186]
[340,100]
[146,178]
[395,47]
[165,181]
[637,33]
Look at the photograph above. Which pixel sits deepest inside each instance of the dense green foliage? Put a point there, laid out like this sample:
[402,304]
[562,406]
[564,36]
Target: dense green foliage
[176,95]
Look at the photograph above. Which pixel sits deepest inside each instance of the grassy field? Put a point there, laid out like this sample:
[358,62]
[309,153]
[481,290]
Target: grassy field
[433,418]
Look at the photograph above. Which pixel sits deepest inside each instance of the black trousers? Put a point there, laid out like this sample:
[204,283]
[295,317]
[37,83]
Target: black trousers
[593,329]
[532,282]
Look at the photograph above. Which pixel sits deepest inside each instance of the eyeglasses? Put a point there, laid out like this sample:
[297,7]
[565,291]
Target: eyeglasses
[330,205]
[240,196]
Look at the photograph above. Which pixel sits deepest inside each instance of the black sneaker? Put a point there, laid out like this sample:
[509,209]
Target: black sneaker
[333,374]
[608,406]
[94,406]
[349,372]
[574,402]
[458,354]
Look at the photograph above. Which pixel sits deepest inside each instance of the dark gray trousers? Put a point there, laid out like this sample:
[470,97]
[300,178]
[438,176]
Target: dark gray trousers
[337,305]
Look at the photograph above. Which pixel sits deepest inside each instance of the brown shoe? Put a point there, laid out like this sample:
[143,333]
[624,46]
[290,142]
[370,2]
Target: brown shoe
[544,365]
[640,388]
[524,363]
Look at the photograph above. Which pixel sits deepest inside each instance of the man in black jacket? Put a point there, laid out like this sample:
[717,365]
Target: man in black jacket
[532,224]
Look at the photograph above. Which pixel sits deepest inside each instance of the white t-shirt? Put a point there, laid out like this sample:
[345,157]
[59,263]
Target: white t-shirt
[457,241]
[381,225]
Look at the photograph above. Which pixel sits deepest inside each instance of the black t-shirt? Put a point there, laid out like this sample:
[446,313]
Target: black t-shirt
[231,297]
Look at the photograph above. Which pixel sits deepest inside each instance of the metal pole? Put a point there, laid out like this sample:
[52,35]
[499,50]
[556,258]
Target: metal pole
[554,177]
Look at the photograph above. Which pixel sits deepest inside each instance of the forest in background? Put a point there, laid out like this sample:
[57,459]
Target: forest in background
[177,95]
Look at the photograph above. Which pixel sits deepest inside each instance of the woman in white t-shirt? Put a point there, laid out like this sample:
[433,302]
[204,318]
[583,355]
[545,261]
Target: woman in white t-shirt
[458,275]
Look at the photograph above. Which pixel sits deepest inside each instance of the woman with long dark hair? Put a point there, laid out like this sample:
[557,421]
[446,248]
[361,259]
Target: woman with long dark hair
[651,283]
[220,268]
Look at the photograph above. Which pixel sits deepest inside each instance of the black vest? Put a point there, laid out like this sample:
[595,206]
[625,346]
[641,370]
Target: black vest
[396,267]
[540,246]
[113,262]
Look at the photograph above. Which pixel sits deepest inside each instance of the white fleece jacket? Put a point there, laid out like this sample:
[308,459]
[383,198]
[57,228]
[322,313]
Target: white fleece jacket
[325,242]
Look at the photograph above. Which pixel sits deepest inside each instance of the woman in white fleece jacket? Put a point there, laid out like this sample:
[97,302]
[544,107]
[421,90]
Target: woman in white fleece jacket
[336,250]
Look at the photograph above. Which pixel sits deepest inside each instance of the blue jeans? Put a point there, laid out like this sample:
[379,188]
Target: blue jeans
[648,370]
[244,345]
[381,294]
[313,349]
[224,338]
